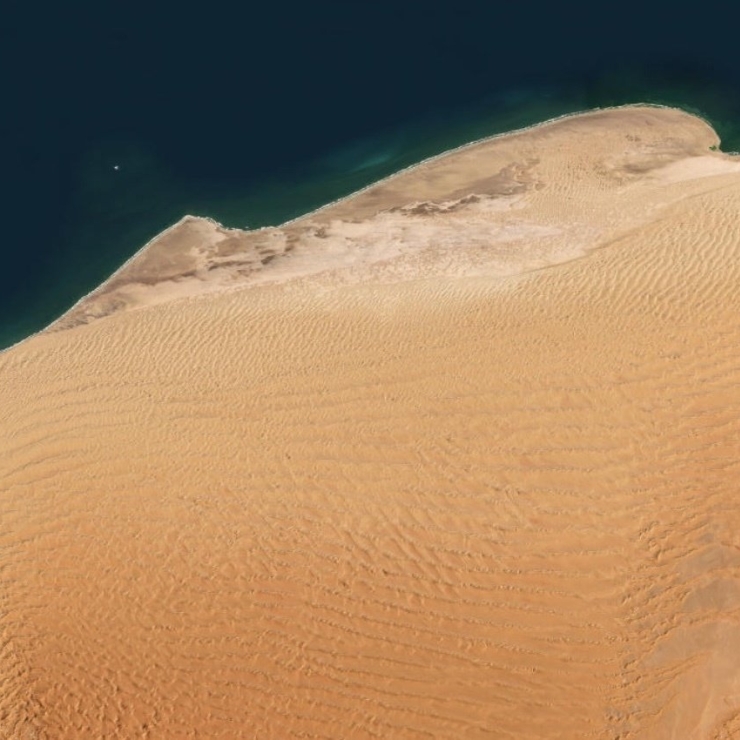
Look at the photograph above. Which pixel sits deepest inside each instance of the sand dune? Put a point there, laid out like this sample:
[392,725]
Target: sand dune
[480,485]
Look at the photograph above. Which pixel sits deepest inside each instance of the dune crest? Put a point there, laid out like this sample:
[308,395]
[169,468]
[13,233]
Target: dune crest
[460,462]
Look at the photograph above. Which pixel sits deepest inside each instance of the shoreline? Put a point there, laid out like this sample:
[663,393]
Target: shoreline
[486,139]
[468,145]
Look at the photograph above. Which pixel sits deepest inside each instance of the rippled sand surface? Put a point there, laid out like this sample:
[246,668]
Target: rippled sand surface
[448,467]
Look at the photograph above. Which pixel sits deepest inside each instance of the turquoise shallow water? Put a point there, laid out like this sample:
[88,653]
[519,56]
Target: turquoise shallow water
[123,189]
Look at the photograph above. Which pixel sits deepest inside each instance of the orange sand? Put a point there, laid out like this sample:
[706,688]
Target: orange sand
[471,472]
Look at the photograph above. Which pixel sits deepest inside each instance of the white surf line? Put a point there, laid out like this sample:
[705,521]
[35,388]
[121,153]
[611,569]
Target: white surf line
[102,285]
[484,140]
[120,269]
[388,178]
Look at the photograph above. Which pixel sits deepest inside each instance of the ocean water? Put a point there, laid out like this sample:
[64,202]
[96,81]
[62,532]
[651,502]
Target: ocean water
[123,120]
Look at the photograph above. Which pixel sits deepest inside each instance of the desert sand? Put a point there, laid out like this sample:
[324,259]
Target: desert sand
[455,457]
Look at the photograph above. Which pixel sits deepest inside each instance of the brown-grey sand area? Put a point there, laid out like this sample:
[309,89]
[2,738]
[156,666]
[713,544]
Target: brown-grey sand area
[502,206]
[471,474]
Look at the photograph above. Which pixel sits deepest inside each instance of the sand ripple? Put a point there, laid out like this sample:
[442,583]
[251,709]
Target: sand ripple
[449,507]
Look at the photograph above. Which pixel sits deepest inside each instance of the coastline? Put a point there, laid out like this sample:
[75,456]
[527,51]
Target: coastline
[441,155]
[448,421]
[486,139]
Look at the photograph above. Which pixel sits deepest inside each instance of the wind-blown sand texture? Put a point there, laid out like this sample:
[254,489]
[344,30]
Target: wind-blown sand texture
[454,458]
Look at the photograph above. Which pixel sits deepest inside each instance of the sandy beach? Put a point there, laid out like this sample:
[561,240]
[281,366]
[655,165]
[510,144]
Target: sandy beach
[455,457]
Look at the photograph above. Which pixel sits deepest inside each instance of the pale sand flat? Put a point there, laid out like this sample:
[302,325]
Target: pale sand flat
[499,207]
[441,487]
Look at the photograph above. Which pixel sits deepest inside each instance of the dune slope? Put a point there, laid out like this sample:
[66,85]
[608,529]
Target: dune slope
[429,492]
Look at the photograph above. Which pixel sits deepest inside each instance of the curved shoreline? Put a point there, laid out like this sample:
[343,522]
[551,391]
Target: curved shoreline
[485,139]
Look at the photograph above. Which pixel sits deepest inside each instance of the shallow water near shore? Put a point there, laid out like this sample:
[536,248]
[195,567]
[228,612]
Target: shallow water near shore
[121,190]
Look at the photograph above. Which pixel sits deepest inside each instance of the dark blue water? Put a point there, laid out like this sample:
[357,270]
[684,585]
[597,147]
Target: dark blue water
[255,115]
